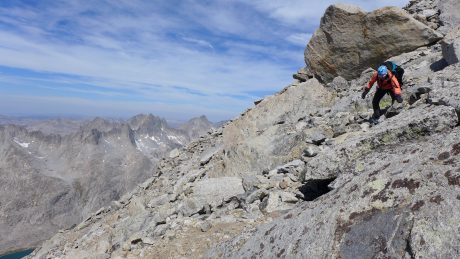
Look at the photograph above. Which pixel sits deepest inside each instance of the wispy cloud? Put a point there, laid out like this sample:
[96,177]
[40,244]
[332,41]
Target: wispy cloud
[175,57]
[198,42]
[300,39]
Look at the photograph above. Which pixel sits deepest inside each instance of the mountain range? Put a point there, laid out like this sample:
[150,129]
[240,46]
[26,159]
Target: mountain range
[55,172]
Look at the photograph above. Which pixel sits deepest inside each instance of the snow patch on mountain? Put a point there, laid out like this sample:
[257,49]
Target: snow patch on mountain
[22,144]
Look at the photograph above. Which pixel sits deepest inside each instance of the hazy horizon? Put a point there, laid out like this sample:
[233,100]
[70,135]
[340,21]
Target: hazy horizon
[171,122]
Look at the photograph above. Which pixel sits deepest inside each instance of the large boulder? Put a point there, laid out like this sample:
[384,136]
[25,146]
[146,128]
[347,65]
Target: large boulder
[350,40]
[451,46]
[214,191]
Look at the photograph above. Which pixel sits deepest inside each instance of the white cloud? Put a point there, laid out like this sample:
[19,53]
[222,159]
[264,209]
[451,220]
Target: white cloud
[300,39]
[208,53]
[198,42]
[302,13]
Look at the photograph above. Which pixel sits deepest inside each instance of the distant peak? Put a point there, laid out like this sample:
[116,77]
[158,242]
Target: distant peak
[201,118]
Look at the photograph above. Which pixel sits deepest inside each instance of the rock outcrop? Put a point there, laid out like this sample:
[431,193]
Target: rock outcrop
[302,175]
[401,201]
[451,46]
[272,134]
[350,40]
[448,14]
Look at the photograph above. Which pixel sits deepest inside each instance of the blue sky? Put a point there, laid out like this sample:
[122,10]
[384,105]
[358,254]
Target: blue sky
[173,58]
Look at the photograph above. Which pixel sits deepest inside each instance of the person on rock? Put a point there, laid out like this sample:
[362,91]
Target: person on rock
[387,83]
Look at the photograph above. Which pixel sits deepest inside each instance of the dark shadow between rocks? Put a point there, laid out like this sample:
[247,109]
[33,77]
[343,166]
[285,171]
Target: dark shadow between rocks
[390,112]
[315,188]
[438,65]
[415,96]
[458,116]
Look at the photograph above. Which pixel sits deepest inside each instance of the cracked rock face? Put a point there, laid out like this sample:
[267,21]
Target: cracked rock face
[350,40]
[402,200]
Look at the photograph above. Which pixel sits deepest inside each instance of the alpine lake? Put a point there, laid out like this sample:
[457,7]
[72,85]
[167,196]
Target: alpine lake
[17,255]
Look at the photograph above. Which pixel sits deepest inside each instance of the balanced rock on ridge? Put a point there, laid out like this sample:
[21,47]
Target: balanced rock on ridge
[350,40]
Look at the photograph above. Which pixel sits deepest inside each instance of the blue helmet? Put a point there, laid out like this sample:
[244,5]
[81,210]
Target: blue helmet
[382,71]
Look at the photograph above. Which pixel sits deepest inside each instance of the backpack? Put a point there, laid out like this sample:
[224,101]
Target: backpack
[397,71]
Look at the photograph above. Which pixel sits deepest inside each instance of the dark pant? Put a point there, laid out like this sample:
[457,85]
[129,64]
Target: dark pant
[379,94]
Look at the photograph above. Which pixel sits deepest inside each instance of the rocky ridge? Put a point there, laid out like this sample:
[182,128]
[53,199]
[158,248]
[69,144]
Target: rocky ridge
[60,126]
[304,175]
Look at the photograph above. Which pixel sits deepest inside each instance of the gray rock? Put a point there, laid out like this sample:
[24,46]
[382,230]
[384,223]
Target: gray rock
[148,241]
[288,197]
[445,87]
[147,183]
[258,195]
[303,74]
[256,102]
[429,13]
[317,138]
[158,201]
[285,183]
[449,10]
[205,226]
[293,167]
[174,153]
[347,35]
[451,46]
[189,207]
[214,191]
[208,156]
[339,84]
[278,201]
[250,181]
[311,151]
[160,230]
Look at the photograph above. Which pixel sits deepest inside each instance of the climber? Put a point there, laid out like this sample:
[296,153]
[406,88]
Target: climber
[387,83]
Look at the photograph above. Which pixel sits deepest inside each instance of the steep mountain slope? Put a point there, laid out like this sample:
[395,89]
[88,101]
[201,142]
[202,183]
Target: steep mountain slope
[304,175]
[50,182]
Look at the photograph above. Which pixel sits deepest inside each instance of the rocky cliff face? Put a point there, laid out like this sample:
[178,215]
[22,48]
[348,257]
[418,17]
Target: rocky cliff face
[304,175]
[50,182]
